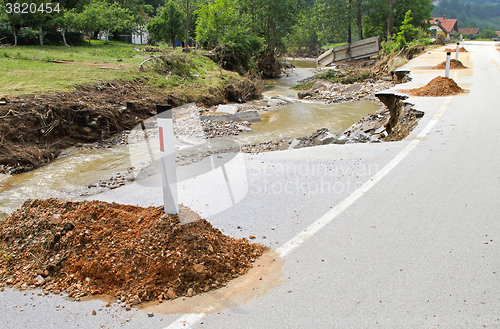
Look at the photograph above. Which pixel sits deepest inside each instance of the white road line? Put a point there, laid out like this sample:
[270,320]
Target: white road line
[187,320]
[339,208]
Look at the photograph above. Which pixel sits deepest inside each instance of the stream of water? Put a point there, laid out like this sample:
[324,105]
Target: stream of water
[68,176]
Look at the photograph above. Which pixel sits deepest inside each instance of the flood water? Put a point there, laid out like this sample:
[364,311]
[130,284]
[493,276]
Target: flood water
[68,176]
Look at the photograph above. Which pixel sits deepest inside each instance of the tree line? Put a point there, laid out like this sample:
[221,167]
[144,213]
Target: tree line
[273,24]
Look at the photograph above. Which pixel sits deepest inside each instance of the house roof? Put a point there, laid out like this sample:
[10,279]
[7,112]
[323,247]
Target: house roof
[471,30]
[447,24]
[498,32]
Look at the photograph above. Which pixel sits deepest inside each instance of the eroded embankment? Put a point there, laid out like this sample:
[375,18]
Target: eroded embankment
[35,128]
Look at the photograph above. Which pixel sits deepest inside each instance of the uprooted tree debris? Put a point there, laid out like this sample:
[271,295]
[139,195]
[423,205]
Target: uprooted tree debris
[140,254]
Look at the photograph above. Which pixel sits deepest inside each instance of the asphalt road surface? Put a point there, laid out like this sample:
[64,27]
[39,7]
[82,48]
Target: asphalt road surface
[388,235]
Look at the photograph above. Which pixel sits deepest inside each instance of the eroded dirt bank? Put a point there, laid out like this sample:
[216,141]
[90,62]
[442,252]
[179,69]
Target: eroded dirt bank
[35,128]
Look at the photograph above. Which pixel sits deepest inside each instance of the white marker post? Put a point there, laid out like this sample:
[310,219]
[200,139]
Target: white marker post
[447,72]
[458,47]
[167,158]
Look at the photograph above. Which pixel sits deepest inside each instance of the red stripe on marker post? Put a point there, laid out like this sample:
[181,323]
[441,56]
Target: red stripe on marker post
[162,147]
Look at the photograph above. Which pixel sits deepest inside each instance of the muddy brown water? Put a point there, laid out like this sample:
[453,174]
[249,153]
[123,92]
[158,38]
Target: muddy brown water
[68,176]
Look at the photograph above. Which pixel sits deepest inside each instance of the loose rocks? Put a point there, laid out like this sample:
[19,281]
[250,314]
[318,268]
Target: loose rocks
[339,93]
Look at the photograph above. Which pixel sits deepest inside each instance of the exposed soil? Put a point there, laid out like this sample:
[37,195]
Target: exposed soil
[460,50]
[35,128]
[135,254]
[438,87]
[454,65]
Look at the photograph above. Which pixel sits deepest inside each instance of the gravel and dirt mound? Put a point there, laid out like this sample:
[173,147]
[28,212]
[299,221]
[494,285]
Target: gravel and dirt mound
[438,87]
[454,65]
[135,254]
[460,50]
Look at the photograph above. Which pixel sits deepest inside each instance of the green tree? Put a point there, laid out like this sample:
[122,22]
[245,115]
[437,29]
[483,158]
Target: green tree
[304,32]
[90,19]
[14,22]
[407,31]
[330,20]
[215,20]
[270,19]
[116,18]
[384,17]
[64,22]
[168,25]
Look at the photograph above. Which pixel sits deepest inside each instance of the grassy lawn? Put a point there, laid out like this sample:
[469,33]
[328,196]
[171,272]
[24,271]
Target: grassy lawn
[35,69]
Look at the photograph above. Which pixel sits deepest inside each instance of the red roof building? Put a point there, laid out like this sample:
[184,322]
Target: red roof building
[446,27]
[471,30]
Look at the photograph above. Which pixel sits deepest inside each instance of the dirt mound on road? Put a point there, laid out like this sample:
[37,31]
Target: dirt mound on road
[460,50]
[454,65]
[89,248]
[438,87]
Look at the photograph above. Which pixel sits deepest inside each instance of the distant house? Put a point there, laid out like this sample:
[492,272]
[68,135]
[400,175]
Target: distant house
[443,26]
[498,32]
[467,30]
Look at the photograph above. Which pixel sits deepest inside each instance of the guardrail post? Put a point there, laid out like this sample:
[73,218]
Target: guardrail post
[167,158]
[447,71]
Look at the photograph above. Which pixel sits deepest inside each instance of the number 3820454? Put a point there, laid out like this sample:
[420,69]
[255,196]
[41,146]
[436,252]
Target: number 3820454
[31,8]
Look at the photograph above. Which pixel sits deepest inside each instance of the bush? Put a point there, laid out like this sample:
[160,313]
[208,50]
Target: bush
[238,51]
[345,77]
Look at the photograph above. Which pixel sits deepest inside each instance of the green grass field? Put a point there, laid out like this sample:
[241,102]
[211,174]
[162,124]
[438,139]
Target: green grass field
[35,69]
[41,70]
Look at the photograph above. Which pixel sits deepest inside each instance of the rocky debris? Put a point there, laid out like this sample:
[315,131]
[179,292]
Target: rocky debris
[252,116]
[400,76]
[373,128]
[270,146]
[132,253]
[320,137]
[339,93]
[437,87]
[213,128]
[454,65]
[277,101]
[115,181]
[403,118]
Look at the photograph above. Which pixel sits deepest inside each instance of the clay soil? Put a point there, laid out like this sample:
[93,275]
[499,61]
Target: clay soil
[438,87]
[132,253]
[460,50]
[454,65]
